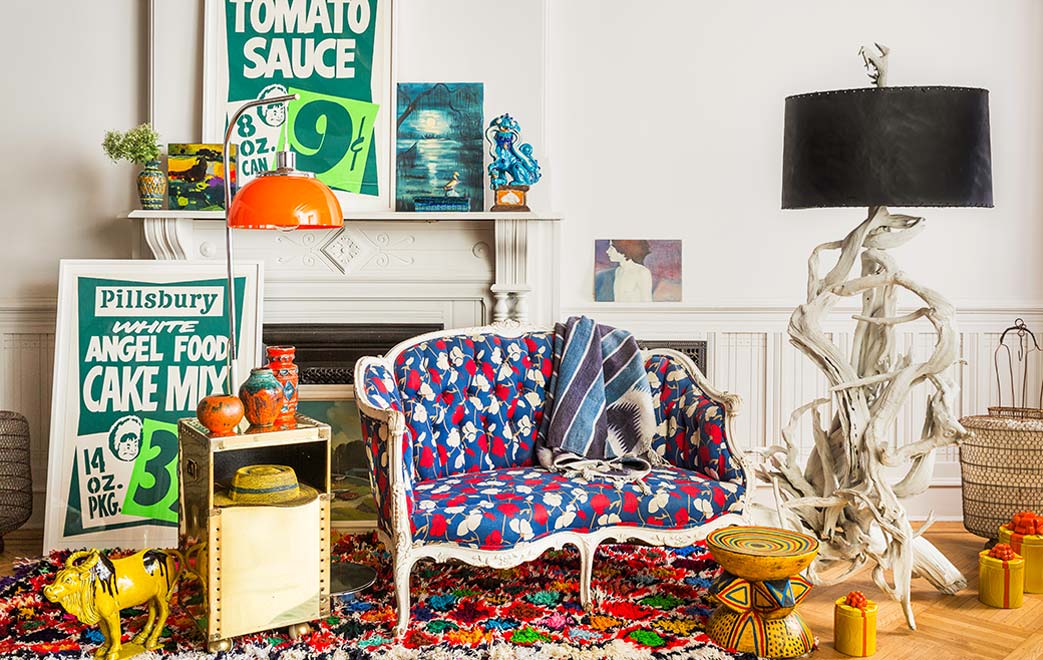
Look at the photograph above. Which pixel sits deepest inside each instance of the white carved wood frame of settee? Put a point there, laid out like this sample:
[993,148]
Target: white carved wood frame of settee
[406,552]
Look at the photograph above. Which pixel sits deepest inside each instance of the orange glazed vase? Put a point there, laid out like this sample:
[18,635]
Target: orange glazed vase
[220,413]
[280,361]
[262,396]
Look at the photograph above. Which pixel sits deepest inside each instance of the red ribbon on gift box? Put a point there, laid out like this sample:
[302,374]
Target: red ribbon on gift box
[1015,541]
[865,633]
[1006,585]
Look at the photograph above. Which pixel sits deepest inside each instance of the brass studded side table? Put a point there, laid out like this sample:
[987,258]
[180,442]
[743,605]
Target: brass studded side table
[260,566]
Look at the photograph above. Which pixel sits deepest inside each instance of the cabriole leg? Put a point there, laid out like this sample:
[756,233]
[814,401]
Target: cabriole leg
[403,565]
[586,570]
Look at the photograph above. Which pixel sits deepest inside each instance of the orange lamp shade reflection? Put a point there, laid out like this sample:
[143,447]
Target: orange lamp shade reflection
[285,201]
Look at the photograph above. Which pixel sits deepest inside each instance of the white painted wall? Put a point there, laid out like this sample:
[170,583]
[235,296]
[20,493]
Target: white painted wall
[666,122]
[659,119]
[72,71]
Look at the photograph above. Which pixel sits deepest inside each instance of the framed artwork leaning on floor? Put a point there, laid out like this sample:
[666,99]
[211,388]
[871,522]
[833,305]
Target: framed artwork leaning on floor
[353,505]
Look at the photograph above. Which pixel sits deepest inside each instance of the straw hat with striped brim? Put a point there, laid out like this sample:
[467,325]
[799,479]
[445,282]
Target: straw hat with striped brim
[265,485]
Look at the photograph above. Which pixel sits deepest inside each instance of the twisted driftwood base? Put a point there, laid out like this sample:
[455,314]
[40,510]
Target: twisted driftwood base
[842,496]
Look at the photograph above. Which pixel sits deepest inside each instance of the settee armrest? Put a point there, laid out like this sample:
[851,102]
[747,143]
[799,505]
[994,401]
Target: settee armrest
[693,418]
[388,445]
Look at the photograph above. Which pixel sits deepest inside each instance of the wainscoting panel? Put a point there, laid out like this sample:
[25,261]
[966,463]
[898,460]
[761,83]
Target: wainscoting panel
[749,353]
[743,356]
[26,367]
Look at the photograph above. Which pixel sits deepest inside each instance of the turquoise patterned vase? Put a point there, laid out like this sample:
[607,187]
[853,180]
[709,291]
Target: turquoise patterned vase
[262,397]
[152,186]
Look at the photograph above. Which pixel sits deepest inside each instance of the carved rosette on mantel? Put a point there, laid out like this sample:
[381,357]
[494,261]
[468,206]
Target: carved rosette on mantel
[457,269]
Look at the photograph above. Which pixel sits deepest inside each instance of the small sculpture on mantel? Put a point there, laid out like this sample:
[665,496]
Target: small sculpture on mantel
[518,162]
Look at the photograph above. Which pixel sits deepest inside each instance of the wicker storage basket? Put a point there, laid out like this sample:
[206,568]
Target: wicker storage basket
[16,482]
[1002,467]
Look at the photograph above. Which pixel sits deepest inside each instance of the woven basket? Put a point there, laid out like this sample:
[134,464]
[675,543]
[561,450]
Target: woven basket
[1002,467]
[16,484]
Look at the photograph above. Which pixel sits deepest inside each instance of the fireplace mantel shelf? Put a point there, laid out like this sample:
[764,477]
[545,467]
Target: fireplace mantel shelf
[376,216]
[450,262]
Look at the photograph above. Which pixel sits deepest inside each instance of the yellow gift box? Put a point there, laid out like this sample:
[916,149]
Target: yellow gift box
[1001,583]
[1030,547]
[854,629]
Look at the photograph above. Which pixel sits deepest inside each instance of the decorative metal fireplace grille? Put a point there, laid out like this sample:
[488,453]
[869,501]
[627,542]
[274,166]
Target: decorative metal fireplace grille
[327,352]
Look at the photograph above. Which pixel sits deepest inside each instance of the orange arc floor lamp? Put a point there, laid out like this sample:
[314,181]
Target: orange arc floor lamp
[284,198]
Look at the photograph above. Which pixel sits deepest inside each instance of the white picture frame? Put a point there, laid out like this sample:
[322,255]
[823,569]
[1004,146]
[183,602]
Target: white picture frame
[167,374]
[215,94]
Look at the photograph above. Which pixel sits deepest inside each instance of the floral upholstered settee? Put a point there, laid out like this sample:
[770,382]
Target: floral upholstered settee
[450,419]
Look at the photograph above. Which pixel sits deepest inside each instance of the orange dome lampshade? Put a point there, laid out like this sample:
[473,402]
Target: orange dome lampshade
[285,198]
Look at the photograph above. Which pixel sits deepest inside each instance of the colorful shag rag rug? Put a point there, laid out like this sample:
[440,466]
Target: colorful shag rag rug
[651,604]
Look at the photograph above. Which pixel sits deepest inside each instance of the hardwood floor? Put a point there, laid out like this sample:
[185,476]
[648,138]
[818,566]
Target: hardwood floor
[949,627]
[20,543]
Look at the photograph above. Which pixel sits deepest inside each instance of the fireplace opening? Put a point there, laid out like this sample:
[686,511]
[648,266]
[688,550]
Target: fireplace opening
[327,352]
[326,356]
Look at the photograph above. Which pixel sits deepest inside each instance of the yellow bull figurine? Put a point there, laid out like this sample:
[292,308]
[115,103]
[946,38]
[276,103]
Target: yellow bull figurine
[94,589]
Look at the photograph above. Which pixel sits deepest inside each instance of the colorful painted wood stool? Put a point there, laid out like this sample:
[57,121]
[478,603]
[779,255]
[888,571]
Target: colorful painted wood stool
[760,589]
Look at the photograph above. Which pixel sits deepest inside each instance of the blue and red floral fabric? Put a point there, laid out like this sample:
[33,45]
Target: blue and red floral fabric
[472,406]
[501,508]
[690,432]
[474,402]
[379,391]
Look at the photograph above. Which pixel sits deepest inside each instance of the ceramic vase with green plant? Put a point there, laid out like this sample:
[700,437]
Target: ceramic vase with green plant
[140,145]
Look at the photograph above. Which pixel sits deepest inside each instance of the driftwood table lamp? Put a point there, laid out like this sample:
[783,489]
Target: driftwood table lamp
[875,147]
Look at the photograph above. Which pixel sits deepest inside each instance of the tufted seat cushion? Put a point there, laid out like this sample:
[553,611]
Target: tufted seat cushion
[499,508]
[473,402]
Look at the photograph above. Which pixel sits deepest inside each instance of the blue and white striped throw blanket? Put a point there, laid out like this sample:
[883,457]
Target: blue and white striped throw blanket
[598,419]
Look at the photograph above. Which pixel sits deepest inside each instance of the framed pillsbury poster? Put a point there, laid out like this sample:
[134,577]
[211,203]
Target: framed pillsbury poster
[337,57]
[137,345]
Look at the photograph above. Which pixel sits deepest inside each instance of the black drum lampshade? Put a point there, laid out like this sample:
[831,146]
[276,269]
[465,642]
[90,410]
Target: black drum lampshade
[887,146]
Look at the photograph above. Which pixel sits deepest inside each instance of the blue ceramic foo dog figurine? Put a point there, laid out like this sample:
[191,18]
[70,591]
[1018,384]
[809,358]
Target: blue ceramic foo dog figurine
[517,162]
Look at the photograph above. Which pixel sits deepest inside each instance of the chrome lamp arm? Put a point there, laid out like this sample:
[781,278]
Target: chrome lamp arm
[232,352]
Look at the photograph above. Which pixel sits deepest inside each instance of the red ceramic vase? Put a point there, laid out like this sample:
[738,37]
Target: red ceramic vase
[262,396]
[220,413]
[280,361]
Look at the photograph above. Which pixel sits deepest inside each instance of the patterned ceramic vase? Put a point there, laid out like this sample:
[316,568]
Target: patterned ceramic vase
[280,361]
[152,186]
[262,397]
[220,413]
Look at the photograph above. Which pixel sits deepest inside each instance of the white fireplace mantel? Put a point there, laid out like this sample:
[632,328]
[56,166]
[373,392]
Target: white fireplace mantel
[457,269]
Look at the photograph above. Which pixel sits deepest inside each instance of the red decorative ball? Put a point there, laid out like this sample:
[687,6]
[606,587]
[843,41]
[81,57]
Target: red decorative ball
[220,413]
[856,599]
[1002,551]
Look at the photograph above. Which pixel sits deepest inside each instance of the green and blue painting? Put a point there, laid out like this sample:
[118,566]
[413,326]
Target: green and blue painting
[349,466]
[439,143]
[196,176]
